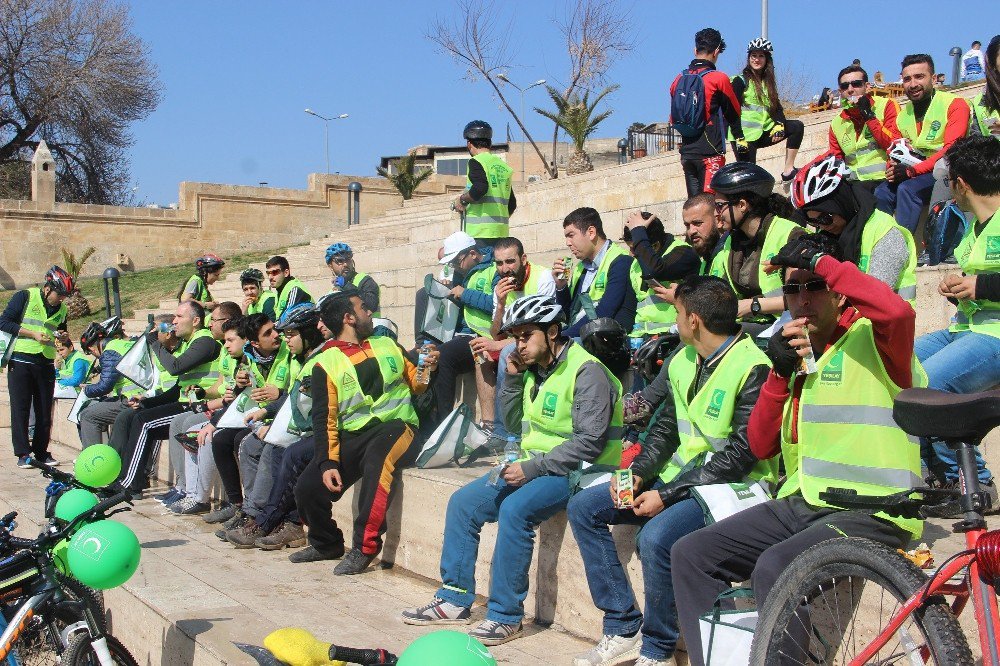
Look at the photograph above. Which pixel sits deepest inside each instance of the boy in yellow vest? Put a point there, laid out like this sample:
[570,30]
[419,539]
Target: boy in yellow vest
[567,408]
[718,360]
[833,428]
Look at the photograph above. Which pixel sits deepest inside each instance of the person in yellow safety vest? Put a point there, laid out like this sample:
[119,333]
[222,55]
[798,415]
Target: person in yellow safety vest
[960,358]
[986,105]
[30,322]
[599,282]
[474,283]
[759,219]
[194,366]
[290,289]
[208,270]
[930,123]
[75,366]
[364,427]
[255,297]
[488,200]
[698,437]
[659,257]
[567,408]
[340,259]
[761,114]
[832,425]
[845,209]
[862,133]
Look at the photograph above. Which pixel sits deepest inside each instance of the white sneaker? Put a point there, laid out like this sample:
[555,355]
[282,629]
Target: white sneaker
[646,661]
[612,650]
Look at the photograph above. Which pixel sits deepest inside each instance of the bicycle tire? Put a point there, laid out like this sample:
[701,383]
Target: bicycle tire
[88,595]
[80,652]
[840,565]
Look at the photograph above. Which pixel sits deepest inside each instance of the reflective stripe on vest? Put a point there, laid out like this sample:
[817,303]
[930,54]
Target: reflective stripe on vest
[755,116]
[847,437]
[585,304]
[704,424]
[778,232]
[356,281]
[548,419]
[653,314]
[877,226]
[930,139]
[286,290]
[482,281]
[37,320]
[863,155]
[355,408]
[490,216]
[979,254]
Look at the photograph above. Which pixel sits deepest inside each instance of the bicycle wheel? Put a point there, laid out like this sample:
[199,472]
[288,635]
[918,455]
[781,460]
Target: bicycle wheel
[81,653]
[94,599]
[836,597]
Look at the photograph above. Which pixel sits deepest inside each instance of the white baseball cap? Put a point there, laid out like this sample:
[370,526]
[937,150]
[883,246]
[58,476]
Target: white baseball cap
[455,244]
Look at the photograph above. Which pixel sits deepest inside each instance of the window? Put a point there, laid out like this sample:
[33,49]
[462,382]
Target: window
[452,167]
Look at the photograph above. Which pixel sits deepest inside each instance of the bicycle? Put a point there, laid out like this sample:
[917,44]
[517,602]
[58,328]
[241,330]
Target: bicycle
[855,601]
[48,619]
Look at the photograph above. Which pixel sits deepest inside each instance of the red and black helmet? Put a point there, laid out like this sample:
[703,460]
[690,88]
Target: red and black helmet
[59,281]
[209,263]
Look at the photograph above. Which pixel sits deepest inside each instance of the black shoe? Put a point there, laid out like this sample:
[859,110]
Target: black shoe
[310,554]
[220,515]
[924,258]
[353,563]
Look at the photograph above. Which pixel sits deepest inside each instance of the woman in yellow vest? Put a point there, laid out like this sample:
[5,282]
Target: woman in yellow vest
[833,428]
[845,209]
[761,115]
[208,270]
[986,105]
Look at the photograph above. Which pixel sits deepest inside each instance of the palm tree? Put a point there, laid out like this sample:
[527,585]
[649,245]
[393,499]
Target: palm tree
[76,305]
[405,180]
[575,116]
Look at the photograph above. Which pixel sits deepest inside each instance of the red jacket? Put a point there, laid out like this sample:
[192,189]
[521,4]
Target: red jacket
[884,131]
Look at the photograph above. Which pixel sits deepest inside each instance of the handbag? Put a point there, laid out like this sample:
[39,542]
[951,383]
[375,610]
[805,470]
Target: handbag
[726,635]
[74,413]
[454,437]
[720,500]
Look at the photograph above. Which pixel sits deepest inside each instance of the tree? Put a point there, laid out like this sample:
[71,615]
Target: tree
[575,116]
[72,73]
[405,180]
[76,305]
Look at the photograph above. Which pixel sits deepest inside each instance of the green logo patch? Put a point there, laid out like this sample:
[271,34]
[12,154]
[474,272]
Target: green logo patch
[549,403]
[600,280]
[349,383]
[863,263]
[392,364]
[742,490]
[715,407]
[993,248]
[282,372]
[833,371]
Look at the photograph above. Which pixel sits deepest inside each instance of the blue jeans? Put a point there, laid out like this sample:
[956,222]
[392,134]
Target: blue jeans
[517,511]
[590,513]
[499,428]
[963,362]
[905,199]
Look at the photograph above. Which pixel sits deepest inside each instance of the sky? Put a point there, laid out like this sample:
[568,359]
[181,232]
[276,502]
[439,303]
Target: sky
[237,76]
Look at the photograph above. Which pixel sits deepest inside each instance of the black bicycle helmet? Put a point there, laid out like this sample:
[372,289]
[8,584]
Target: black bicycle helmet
[478,129]
[209,263]
[739,178]
[605,339]
[252,276]
[300,316]
[535,309]
[91,335]
[649,358]
[59,281]
[112,326]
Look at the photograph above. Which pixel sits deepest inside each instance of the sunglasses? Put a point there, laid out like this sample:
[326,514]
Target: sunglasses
[855,83]
[796,288]
[721,205]
[273,271]
[339,260]
[824,220]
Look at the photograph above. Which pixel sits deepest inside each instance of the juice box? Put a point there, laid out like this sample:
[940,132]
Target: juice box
[624,488]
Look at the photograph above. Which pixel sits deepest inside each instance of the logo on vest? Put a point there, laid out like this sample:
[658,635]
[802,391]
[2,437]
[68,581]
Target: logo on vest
[282,372]
[600,281]
[742,491]
[549,402]
[481,284]
[863,263]
[935,128]
[833,371]
[993,248]
[349,383]
[715,407]
[392,364]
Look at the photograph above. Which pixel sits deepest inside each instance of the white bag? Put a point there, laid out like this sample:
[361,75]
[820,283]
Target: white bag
[74,414]
[726,635]
[137,364]
[6,348]
[281,433]
[64,392]
[720,500]
[452,439]
[441,316]
[236,413]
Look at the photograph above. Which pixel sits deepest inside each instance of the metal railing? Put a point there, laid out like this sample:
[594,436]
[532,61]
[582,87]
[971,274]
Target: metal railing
[651,143]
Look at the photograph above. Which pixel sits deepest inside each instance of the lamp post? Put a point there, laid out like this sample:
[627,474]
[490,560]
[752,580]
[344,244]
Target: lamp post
[503,77]
[763,18]
[956,64]
[326,132]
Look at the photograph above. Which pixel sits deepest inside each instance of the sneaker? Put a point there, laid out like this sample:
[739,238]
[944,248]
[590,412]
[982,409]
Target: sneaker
[287,534]
[244,536]
[22,462]
[649,661]
[491,632]
[189,506]
[310,554]
[790,176]
[950,259]
[923,259]
[173,499]
[354,562]
[236,522]
[437,611]
[611,651]
[170,492]
[220,515]
[636,409]
[50,461]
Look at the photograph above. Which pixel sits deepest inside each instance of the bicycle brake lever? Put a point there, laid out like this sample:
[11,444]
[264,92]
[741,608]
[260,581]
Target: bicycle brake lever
[118,510]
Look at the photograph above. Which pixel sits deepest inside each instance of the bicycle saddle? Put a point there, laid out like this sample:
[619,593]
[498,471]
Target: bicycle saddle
[948,416]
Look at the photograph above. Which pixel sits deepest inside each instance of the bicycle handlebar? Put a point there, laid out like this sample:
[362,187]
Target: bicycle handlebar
[64,477]
[364,657]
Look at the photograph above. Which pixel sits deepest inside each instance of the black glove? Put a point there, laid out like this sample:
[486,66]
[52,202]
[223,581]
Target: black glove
[864,106]
[784,359]
[900,172]
[801,252]
[727,466]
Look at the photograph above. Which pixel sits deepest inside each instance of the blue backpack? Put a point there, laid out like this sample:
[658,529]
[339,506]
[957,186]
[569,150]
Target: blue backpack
[943,231]
[687,104]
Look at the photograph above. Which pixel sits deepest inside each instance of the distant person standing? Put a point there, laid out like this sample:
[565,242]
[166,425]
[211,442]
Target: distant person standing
[488,200]
[208,269]
[702,102]
[255,297]
[973,63]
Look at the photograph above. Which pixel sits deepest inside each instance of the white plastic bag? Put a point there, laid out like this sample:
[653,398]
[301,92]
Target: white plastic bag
[726,635]
[721,500]
[137,364]
[452,439]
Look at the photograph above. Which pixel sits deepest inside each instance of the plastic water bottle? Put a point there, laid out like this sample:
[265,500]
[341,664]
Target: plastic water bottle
[635,341]
[423,372]
[512,450]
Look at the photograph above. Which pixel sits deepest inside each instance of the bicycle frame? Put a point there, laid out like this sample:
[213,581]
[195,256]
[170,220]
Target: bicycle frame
[984,599]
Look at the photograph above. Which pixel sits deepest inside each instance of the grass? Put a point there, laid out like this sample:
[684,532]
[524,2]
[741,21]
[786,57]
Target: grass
[142,290]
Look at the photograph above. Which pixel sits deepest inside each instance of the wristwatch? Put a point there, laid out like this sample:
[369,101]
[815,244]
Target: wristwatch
[755,305]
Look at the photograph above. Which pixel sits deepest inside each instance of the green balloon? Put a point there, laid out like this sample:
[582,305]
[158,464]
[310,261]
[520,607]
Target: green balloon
[104,554]
[74,502]
[446,647]
[98,465]
[60,556]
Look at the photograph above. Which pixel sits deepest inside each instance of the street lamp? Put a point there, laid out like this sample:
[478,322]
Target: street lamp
[503,77]
[326,132]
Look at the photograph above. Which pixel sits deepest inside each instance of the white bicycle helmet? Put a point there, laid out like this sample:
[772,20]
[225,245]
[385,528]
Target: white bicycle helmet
[533,310]
[818,179]
[901,151]
[760,44]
